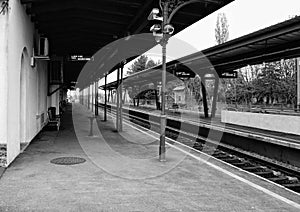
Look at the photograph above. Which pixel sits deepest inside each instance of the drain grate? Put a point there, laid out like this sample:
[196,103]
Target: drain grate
[68,160]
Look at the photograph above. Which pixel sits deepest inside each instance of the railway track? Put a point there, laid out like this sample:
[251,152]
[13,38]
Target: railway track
[268,168]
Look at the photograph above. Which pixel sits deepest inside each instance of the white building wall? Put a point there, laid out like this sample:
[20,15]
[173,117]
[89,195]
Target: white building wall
[21,36]
[3,77]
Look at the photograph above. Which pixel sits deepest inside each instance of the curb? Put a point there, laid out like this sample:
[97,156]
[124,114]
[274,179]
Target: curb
[2,170]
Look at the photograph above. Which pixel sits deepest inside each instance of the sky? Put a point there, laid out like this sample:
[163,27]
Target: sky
[243,16]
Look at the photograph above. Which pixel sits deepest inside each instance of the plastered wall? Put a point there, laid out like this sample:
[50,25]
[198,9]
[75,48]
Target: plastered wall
[3,77]
[23,89]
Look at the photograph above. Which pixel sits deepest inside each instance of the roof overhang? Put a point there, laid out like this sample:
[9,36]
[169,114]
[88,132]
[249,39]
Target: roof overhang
[76,27]
[280,41]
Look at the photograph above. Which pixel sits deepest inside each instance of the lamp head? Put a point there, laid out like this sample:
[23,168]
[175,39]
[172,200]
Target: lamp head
[169,29]
[155,28]
[154,15]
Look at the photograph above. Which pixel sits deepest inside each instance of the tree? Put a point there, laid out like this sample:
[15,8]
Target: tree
[272,82]
[142,63]
[194,85]
[221,35]
[221,31]
[151,64]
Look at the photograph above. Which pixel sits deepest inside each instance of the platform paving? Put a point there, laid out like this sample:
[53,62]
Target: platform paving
[122,173]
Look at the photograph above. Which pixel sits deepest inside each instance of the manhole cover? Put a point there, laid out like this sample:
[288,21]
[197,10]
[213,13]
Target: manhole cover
[68,160]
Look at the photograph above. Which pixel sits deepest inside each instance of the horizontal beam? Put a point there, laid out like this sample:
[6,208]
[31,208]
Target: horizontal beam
[79,17]
[51,29]
[79,31]
[79,37]
[63,6]
[81,23]
[133,3]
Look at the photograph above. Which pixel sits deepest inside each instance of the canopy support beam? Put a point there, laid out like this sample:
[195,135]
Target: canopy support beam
[214,103]
[204,99]
[118,100]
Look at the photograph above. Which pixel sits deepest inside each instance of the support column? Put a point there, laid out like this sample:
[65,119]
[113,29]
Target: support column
[298,82]
[108,96]
[118,99]
[204,99]
[96,99]
[214,103]
[88,97]
[124,95]
[163,117]
[156,96]
[138,98]
[83,97]
[92,96]
[105,98]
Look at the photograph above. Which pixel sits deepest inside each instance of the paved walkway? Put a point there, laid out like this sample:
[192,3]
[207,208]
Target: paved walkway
[122,173]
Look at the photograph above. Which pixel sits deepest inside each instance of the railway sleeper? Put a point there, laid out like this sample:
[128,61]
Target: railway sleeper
[232,160]
[218,152]
[240,164]
[222,156]
[266,174]
[279,180]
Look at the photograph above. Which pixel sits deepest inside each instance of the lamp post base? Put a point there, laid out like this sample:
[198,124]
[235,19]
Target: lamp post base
[91,125]
[162,154]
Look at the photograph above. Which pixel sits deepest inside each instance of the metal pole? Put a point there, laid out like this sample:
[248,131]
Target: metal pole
[298,82]
[162,143]
[105,99]
[204,99]
[96,99]
[121,103]
[124,95]
[80,97]
[156,96]
[235,92]
[92,97]
[214,103]
[88,99]
[118,100]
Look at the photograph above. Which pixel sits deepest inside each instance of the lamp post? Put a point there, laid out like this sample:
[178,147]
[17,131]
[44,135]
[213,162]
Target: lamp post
[162,33]
[163,118]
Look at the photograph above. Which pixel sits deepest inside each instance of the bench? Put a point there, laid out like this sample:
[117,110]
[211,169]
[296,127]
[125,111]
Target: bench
[53,120]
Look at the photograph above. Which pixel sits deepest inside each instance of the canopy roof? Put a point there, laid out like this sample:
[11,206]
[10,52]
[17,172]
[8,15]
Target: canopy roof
[280,41]
[76,27]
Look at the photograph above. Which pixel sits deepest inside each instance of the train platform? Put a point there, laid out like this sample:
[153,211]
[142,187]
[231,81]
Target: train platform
[122,173]
[279,138]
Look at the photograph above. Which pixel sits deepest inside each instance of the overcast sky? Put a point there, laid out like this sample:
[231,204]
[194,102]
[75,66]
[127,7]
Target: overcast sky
[243,16]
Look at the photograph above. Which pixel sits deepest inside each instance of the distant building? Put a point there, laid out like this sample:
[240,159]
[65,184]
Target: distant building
[179,95]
